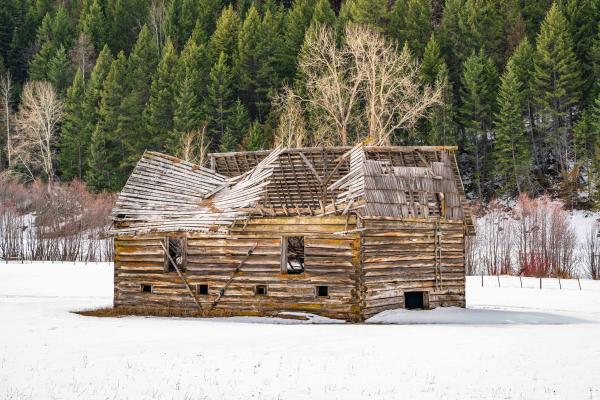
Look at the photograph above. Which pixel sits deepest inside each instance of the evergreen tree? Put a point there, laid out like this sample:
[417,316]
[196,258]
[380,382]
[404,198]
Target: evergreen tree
[470,25]
[38,66]
[432,61]
[91,104]
[440,128]
[585,147]
[141,66]
[297,22]
[61,30]
[188,17]
[269,51]
[557,84]
[158,115]
[10,13]
[107,151]
[59,70]
[192,82]
[324,14]
[255,138]
[523,66]
[583,17]
[74,141]
[93,23]
[533,12]
[593,146]
[224,39]
[479,84]
[125,16]
[410,22]
[374,13]
[17,56]
[208,13]
[248,60]
[237,123]
[219,100]
[594,60]
[512,155]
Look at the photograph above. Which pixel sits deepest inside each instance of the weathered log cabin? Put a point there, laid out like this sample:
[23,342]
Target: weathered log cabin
[340,232]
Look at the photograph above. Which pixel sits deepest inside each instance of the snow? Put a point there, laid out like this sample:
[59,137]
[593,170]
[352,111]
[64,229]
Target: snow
[510,343]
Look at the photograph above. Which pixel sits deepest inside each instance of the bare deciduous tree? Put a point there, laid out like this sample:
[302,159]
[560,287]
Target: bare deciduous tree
[37,121]
[366,80]
[331,86]
[157,16]
[6,88]
[394,98]
[83,55]
[193,146]
[291,130]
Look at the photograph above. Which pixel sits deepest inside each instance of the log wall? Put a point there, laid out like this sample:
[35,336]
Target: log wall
[400,256]
[330,260]
[367,271]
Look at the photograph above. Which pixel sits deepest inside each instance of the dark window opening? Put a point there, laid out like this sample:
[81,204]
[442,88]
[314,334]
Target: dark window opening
[414,300]
[322,291]
[292,255]
[147,288]
[202,289]
[176,249]
[260,290]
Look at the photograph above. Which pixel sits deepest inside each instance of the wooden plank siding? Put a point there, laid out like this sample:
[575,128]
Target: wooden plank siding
[400,256]
[330,260]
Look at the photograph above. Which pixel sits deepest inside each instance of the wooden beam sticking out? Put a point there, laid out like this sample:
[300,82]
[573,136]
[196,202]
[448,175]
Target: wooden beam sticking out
[187,285]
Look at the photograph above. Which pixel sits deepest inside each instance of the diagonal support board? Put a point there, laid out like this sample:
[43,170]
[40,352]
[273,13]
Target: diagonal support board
[237,269]
[187,285]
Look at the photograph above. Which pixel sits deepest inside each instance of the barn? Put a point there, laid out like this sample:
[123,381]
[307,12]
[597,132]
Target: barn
[334,231]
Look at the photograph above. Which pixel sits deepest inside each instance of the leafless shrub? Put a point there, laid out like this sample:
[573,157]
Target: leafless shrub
[591,253]
[495,239]
[60,223]
[546,239]
[471,248]
[11,237]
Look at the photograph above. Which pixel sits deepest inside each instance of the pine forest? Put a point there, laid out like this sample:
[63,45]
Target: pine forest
[86,86]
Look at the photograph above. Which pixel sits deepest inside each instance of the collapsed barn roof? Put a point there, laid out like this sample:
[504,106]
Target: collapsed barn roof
[167,194]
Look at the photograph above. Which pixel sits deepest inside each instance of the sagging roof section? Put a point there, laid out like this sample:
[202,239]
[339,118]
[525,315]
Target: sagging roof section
[166,194]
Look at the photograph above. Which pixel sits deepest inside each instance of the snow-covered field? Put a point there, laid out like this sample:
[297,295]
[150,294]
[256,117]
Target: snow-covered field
[510,343]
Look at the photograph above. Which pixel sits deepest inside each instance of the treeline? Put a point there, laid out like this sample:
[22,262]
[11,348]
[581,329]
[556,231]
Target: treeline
[518,83]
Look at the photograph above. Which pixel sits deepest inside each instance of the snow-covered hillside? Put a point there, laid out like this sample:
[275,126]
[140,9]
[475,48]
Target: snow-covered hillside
[510,343]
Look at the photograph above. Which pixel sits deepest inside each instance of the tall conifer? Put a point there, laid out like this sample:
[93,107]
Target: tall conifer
[557,84]
[512,156]
[107,151]
[158,115]
[74,143]
[479,85]
[219,100]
